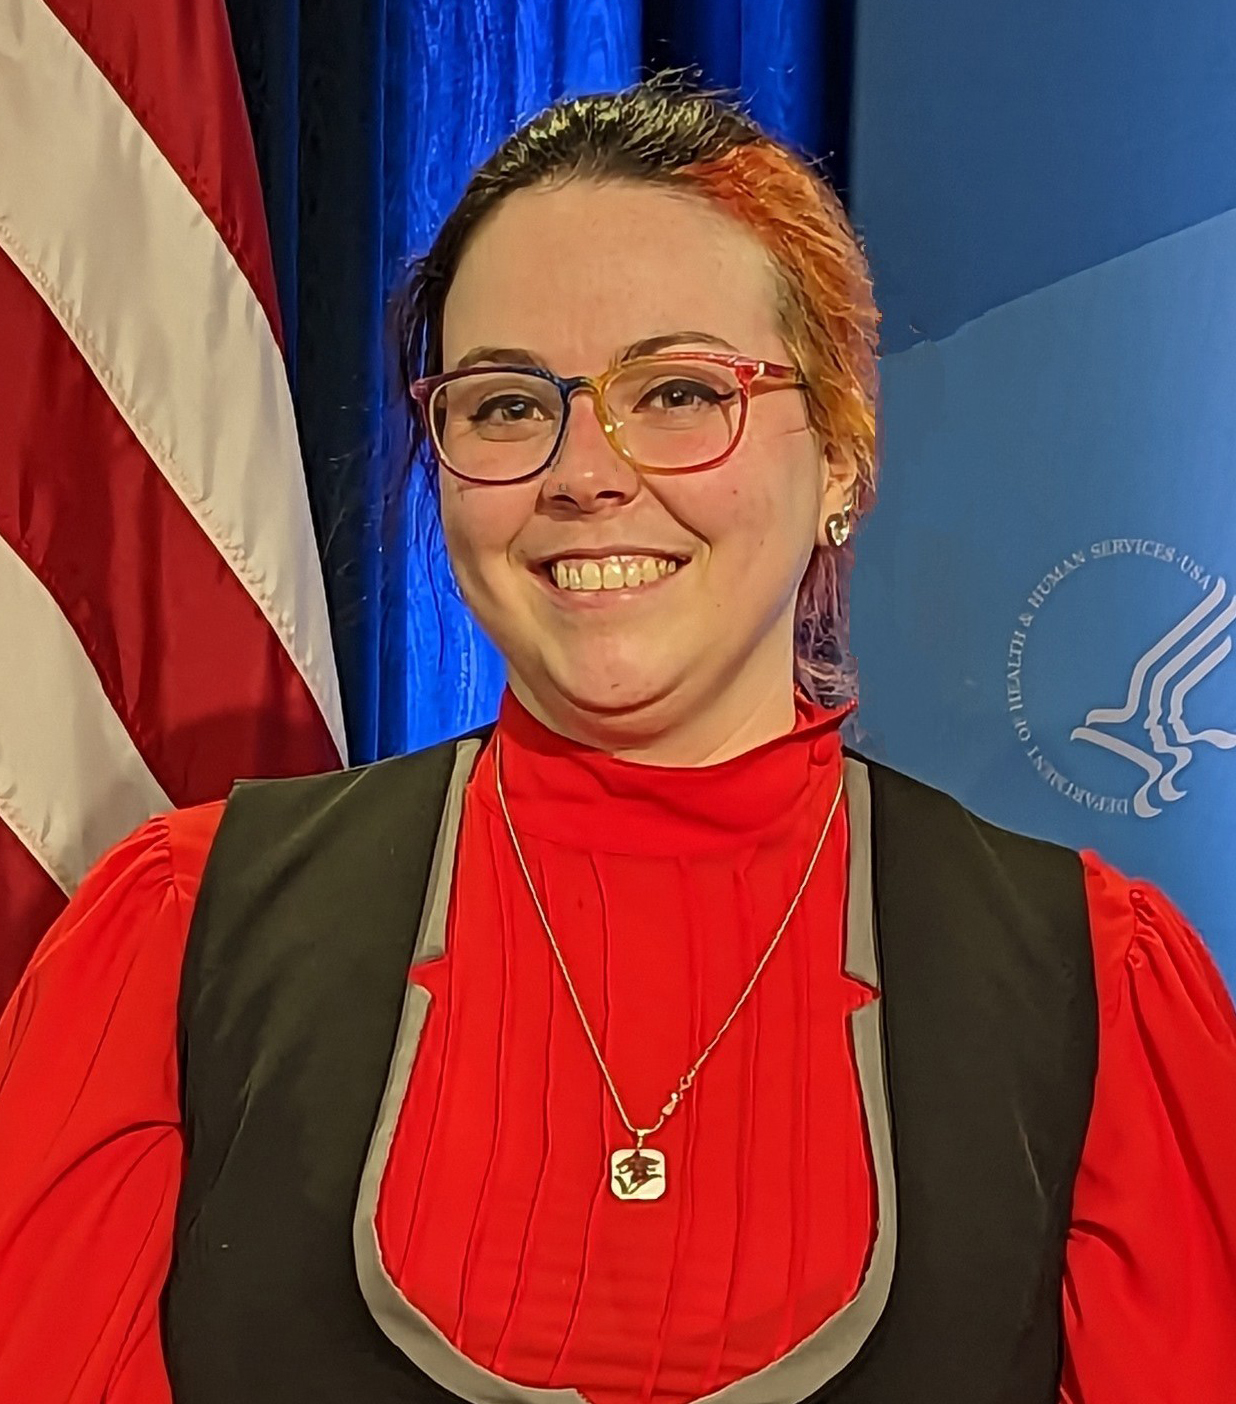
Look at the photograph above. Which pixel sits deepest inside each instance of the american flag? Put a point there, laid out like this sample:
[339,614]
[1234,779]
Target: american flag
[163,625]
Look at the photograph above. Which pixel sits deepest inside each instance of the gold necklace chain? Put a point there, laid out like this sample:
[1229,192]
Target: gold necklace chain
[639,1174]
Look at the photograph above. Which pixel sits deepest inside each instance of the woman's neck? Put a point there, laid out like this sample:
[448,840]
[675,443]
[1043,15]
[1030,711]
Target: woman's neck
[672,731]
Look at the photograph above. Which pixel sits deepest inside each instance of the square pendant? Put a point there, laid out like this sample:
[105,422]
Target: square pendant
[637,1174]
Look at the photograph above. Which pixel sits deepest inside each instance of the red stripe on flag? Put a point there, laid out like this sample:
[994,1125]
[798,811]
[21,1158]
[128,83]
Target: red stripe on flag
[195,672]
[29,902]
[172,63]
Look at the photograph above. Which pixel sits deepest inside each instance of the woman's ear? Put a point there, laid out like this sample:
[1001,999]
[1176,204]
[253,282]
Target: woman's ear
[839,473]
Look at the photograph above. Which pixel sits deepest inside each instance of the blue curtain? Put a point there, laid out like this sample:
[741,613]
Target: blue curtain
[368,116]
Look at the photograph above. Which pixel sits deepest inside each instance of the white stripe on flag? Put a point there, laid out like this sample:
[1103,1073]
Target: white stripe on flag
[113,241]
[72,783]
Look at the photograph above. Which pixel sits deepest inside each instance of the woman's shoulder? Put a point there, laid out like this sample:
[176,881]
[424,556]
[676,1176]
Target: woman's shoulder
[1139,937]
[1127,914]
[1147,954]
[158,863]
[296,791]
[333,823]
[132,906]
[914,810]
[100,993]
[188,835]
[161,860]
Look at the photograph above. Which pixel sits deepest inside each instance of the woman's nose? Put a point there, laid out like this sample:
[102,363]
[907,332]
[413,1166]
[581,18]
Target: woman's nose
[588,470]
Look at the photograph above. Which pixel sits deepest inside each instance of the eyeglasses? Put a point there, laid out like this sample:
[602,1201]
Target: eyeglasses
[670,413]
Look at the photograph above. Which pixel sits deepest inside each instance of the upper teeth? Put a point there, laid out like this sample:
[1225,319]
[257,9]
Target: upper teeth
[612,573]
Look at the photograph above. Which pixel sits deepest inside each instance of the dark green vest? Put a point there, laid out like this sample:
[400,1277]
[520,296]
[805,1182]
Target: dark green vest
[293,991]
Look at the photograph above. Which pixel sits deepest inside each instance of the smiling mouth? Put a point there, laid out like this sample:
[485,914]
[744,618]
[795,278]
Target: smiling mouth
[586,574]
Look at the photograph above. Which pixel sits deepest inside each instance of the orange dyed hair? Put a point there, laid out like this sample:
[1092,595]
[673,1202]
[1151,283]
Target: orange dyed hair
[830,322]
[665,133]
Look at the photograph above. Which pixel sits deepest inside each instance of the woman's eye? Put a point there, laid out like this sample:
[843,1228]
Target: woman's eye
[680,395]
[507,409]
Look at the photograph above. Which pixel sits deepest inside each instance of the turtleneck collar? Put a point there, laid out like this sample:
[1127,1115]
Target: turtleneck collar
[584,798]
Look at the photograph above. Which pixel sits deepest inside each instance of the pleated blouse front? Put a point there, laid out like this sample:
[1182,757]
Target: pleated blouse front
[663,888]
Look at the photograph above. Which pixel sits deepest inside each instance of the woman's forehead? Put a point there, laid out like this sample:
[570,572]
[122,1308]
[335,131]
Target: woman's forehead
[588,268]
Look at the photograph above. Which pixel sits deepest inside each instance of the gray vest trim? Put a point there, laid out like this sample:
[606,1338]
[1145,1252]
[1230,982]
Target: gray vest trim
[818,1358]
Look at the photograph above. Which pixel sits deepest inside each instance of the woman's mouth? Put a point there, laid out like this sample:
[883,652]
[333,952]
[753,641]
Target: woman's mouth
[588,574]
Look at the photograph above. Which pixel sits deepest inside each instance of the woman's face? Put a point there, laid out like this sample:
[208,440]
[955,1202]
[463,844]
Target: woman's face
[574,277]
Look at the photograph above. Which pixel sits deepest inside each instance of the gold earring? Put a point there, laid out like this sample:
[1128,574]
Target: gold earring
[837,527]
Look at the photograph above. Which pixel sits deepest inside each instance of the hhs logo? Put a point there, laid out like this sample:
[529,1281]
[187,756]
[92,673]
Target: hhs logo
[1161,682]
[1158,726]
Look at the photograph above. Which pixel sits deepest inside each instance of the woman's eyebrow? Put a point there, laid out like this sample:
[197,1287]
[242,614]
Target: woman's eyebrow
[650,345]
[500,355]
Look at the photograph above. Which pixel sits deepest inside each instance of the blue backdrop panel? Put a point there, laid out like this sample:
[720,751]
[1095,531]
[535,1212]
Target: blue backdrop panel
[999,147]
[1043,603]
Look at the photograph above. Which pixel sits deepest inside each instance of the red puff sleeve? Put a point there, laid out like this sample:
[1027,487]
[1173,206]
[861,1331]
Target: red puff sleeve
[90,1143]
[1150,1279]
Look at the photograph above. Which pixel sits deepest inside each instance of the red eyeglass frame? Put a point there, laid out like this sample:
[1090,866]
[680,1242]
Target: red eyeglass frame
[748,371]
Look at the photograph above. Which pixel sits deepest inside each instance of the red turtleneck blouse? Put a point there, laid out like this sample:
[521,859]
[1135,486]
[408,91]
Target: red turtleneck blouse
[663,887]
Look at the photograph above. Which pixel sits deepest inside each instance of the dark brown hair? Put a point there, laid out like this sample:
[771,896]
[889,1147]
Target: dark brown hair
[663,132]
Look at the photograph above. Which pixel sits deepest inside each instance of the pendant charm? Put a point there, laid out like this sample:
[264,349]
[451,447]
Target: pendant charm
[637,1174]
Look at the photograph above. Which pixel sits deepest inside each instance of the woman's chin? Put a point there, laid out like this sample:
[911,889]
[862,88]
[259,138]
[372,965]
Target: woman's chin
[610,692]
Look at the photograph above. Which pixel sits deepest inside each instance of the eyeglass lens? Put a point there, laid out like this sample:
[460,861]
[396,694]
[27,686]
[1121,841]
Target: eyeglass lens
[503,424]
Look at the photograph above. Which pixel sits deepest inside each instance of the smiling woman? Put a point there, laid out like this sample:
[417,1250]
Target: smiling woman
[646,1046]
[668,259]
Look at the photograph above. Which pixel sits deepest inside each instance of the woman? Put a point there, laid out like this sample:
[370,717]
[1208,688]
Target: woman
[647,1047]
